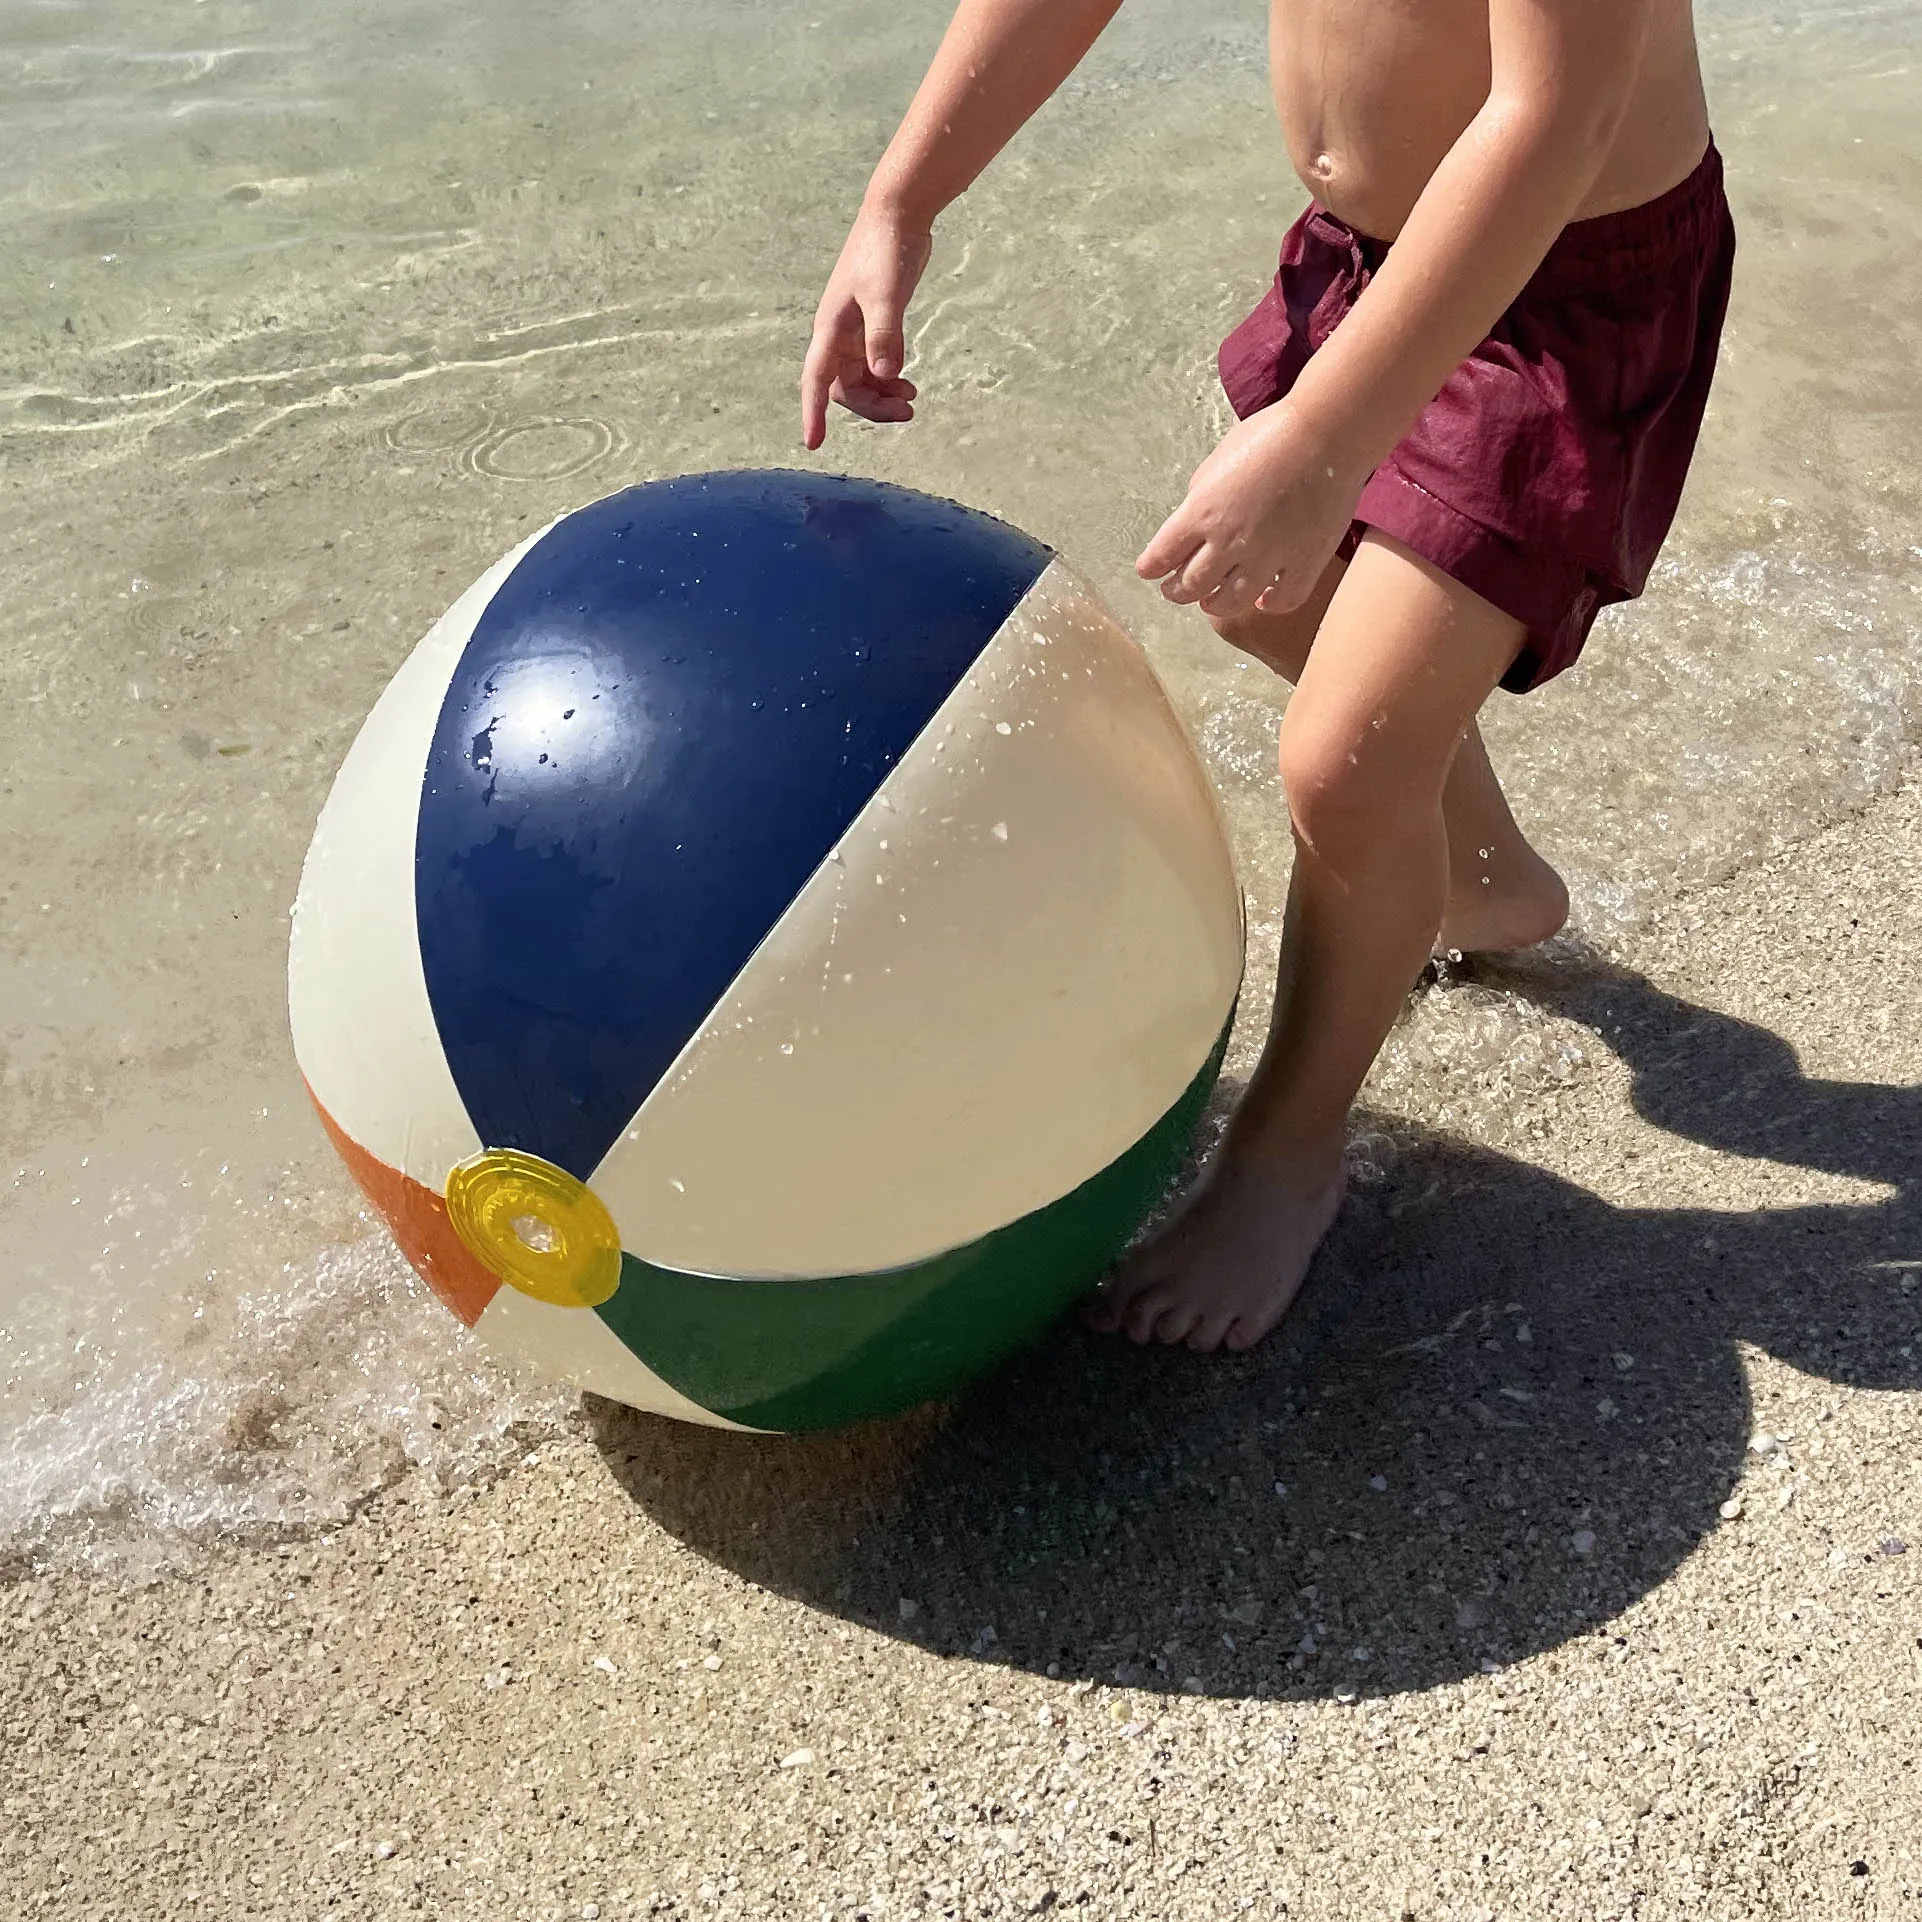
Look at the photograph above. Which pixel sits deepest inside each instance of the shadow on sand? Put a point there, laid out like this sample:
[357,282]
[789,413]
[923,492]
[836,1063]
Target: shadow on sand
[1489,1367]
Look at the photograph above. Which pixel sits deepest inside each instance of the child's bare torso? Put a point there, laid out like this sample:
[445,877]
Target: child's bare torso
[1373,93]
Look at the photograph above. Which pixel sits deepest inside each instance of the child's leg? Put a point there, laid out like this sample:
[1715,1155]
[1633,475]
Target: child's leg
[1501,894]
[1403,660]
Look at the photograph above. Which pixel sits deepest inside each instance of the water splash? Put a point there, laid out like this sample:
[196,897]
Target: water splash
[285,1407]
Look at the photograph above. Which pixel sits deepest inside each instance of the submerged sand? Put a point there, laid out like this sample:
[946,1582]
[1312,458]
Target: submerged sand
[1560,1561]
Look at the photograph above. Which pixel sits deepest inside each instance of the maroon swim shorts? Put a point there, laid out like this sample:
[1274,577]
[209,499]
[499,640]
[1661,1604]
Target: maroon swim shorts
[1545,473]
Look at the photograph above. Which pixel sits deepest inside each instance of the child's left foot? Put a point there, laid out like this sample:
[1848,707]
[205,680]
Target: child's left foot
[1528,905]
[1226,1269]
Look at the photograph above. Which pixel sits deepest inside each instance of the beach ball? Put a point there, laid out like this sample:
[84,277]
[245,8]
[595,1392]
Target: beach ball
[765,953]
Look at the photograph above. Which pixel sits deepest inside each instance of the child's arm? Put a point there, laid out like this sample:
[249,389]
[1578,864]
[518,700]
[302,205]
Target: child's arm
[998,61]
[1266,511]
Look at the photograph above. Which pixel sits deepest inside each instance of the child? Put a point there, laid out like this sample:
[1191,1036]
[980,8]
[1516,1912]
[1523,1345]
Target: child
[1451,451]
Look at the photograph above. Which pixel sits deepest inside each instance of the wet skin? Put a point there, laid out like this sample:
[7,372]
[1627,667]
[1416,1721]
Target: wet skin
[1471,133]
[1371,95]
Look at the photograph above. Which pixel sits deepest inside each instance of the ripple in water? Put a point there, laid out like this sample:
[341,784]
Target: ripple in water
[545,449]
[458,429]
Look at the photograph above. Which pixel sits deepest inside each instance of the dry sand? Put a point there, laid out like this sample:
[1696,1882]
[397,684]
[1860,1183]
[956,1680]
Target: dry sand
[1485,1593]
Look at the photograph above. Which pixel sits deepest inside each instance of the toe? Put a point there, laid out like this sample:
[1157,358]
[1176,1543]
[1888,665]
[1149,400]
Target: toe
[1173,1323]
[1107,1309]
[1147,1308]
[1246,1330]
[1204,1337]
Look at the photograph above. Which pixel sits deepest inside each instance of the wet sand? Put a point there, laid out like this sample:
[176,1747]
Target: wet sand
[1562,1560]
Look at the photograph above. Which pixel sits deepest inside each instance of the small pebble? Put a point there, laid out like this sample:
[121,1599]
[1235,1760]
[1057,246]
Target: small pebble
[1583,1541]
[1731,1508]
[1379,1483]
[605,1666]
[801,1758]
[710,1663]
[383,1851]
[908,1608]
[1894,1545]
[1760,1443]
[590,1912]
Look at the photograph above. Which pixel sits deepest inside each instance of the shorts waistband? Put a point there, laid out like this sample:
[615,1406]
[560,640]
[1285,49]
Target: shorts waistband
[1674,223]
[1601,248]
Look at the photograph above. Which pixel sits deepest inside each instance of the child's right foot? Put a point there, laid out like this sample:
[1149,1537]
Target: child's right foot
[1225,1270]
[1484,916]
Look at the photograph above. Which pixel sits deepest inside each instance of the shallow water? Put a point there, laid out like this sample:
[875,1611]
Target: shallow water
[306,316]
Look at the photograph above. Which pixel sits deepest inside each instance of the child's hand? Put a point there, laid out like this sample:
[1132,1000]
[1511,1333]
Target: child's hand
[856,354]
[1264,514]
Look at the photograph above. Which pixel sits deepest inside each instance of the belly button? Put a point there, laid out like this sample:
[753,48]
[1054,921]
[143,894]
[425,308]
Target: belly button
[1323,166]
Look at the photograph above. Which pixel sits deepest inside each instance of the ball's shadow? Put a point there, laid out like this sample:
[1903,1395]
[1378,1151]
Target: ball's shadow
[1502,1411]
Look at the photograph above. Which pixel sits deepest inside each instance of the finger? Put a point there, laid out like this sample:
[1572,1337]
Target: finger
[887,352]
[1172,548]
[1235,594]
[1202,572]
[1282,595]
[817,382]
[814,406]
[834,350]
[871,403]
[866,383]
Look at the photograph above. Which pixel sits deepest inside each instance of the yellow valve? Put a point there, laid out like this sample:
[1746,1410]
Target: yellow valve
[536,1227]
